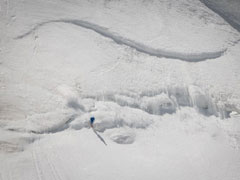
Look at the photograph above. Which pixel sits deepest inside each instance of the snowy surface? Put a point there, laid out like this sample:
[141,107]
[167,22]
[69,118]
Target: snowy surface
[229,10]
[160,77]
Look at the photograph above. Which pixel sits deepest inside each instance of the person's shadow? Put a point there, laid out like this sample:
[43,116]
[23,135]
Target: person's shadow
[99,136]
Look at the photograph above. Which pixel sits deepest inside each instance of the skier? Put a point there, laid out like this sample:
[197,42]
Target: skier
[92,119]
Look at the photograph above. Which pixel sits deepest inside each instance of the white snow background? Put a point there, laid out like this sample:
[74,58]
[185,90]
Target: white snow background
[161,77]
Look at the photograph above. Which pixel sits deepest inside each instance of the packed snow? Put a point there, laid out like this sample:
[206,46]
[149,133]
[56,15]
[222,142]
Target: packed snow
[161,78]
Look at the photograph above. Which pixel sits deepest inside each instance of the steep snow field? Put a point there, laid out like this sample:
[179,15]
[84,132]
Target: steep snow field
[229,10]
[160,77]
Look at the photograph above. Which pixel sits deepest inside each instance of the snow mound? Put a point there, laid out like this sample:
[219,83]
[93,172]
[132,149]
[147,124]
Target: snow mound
[49,122]
[169,100]
[159,104]
[122,135]
[11,142]
[110,115]
[9,147]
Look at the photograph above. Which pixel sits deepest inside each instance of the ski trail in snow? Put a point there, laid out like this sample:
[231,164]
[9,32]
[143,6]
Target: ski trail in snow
[48,159]
[105,68]
[190,57]
[55,173]
[36,164]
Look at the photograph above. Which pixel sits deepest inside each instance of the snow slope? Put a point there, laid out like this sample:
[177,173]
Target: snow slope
[160,77]
[229,10]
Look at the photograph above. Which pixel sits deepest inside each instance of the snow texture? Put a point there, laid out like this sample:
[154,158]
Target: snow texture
[161,78]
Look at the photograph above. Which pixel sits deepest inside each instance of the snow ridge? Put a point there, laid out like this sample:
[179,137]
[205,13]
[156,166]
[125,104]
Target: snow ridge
[190,57]
[166,101]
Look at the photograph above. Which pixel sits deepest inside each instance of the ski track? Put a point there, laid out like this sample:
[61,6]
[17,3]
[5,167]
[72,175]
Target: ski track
[54,172]
[36,164]
[35,156]
[189,57]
